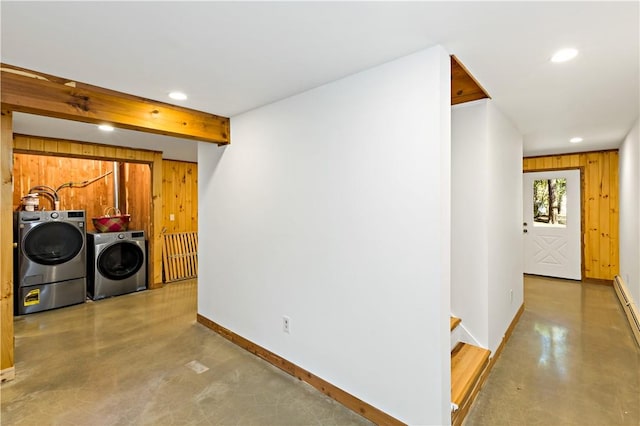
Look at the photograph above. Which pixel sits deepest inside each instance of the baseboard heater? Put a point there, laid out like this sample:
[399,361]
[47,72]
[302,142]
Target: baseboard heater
[629,306]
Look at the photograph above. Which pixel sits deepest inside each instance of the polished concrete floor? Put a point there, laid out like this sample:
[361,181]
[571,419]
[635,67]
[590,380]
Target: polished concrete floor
[138,359]
[571,360]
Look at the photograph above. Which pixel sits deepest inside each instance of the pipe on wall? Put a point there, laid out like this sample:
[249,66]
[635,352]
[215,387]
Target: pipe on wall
[116,185]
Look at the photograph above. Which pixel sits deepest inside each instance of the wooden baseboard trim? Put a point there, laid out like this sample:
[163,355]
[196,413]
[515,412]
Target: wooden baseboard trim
[507,335]
[462,412]
[351,402]
[7,374]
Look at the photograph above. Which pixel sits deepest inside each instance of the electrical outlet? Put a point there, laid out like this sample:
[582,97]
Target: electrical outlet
[172,217]
[286,324]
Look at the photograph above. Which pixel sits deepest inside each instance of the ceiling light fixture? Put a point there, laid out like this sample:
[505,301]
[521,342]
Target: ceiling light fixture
[178,96]
[105,128]
[577,139]
[564,55]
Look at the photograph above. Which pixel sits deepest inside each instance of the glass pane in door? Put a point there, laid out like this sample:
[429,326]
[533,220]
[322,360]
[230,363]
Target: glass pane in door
[550,202]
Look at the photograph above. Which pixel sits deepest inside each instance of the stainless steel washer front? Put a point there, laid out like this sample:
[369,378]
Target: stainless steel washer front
[117,263]
[51,250]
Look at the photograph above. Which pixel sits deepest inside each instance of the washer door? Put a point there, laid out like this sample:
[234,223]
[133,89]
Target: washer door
[121,260]
[53,243]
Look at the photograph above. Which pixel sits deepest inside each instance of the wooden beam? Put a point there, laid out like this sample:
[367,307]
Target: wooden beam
[33,92]
[6,248]
[464,87]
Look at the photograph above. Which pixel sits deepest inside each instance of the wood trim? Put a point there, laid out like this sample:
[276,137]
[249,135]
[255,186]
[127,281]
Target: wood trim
[33,92]
[571,153]
[6,248]
[553,169]
[155,240]
[464,87]
[507,336]
[353,403]
[28,144]
[7,374]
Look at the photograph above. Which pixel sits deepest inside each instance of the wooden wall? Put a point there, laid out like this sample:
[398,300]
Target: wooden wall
[135,180]
[599,206]
[180,196]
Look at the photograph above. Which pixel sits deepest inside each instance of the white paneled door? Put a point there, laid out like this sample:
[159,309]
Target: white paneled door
[552,224]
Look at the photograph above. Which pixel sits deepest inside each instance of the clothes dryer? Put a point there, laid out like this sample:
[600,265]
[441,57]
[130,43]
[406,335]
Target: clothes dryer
[117,263]
[50,259]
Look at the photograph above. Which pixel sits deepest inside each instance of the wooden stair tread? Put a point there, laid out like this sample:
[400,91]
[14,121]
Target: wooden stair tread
[454,322]
[467,364]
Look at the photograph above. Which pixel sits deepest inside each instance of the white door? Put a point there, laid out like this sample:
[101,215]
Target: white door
[551,225]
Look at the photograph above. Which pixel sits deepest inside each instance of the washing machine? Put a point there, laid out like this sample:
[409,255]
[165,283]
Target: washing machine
[117,263]
[49,259]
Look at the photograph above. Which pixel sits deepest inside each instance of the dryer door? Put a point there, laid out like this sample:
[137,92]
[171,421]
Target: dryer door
[121,260]
[53,243]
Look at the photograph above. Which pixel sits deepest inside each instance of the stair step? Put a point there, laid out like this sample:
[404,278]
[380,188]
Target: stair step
[454,322]
[467,365]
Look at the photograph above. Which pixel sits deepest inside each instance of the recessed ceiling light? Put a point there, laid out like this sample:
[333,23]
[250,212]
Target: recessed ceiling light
[178,96]
[564,55]
[105,128]
[577,139]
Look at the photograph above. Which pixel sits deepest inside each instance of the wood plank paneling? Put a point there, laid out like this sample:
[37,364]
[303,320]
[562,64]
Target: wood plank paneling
[180,189]
[179,218]
[136,182]
[31,170]
[600,208]
[6,250]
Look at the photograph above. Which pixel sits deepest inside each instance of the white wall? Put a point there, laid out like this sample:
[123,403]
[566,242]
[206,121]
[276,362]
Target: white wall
[504,224]
[332,207]
[629,161]
[486,236]
[469,218]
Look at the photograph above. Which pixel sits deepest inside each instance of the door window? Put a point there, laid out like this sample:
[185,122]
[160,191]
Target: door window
[550,202]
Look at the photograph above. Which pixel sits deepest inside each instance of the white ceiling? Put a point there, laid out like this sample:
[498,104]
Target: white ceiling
[231,57]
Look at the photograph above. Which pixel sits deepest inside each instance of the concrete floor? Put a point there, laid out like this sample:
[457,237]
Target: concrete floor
[125,360]
[571,360]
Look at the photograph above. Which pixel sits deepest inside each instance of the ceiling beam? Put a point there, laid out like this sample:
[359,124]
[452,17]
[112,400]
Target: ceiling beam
[33,92]
[464,87]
